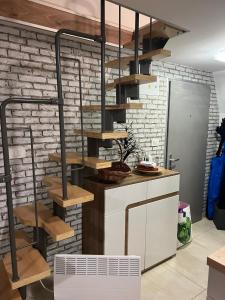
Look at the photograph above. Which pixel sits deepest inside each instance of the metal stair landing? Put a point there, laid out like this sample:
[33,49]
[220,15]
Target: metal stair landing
[53,225]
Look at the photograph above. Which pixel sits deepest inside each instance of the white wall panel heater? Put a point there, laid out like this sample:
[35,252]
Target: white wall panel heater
[97,277]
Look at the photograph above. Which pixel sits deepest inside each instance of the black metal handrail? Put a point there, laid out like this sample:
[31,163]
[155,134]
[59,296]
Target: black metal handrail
[119,85]
[61,99]
[136,43]
[81,110]
[103,41]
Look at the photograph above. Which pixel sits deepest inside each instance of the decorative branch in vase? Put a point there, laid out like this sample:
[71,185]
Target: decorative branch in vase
[128,146]
[120,169]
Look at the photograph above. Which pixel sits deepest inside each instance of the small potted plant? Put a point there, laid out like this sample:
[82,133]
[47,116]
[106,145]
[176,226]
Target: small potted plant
[120,169]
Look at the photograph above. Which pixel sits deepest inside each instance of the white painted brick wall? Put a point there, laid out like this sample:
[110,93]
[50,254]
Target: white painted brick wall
[28,69]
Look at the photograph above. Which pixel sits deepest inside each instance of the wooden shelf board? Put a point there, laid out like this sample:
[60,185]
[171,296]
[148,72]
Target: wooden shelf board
[31,267]
[132,79]
[6,292]
[76,195]
[113,107]
[152,55]
[75,158]
[53,225]
[108,135]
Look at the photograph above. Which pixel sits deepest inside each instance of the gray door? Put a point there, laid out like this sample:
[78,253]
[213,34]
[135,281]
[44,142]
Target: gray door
[187,139]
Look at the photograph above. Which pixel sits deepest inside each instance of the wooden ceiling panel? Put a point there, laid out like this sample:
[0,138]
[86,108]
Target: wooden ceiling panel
[41,15]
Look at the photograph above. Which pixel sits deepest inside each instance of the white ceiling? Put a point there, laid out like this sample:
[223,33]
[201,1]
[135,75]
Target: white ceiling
[205,19]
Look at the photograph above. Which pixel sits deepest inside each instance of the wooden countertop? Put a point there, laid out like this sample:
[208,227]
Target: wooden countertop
[217,260]
[132,179]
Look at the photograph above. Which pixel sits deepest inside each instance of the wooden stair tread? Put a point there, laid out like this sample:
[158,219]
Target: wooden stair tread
[131,79]
[107,135]
[159,29]
[152,55]
[114,106]
[76,195]
[53,225]
[75,158]
[31,267]
[217,260]
[6,292]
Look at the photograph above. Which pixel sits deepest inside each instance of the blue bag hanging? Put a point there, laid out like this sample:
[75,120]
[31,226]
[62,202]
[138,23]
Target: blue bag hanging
[217,173]
[215,183]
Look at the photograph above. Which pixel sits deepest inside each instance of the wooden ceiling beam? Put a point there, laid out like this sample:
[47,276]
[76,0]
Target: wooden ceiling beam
[42,15]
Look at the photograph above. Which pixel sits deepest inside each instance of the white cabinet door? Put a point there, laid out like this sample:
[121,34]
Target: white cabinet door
[161,230]
[119,198]
[136,232]
[114,241]
[116,202]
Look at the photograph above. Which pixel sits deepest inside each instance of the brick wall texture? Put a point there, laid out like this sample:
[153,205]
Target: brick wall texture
[27,68]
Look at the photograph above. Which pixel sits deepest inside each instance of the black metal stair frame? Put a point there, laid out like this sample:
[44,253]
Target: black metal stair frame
[107,119]
[60,102]
[7,172]
[125,91]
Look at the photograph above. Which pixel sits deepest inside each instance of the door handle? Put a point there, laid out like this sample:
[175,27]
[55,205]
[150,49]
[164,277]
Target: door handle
[174,159]
[172,162]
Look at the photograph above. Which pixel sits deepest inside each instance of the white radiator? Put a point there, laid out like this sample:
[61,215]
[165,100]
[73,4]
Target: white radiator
[97,277]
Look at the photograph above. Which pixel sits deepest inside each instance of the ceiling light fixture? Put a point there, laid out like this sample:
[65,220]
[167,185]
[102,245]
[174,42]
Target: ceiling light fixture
[220,56]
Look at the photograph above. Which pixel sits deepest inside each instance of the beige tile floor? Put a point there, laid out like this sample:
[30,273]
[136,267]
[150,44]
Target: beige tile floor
[183,277]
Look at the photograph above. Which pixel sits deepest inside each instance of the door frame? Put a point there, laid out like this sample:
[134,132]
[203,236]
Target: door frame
[168,114]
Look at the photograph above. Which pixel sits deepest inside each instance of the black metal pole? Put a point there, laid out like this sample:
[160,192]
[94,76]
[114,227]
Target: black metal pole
[75,168]
[136,43]
[81,110]
[34,185]
[103,41]
[150,35]
[12,236]
[119,53]
[61,115]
